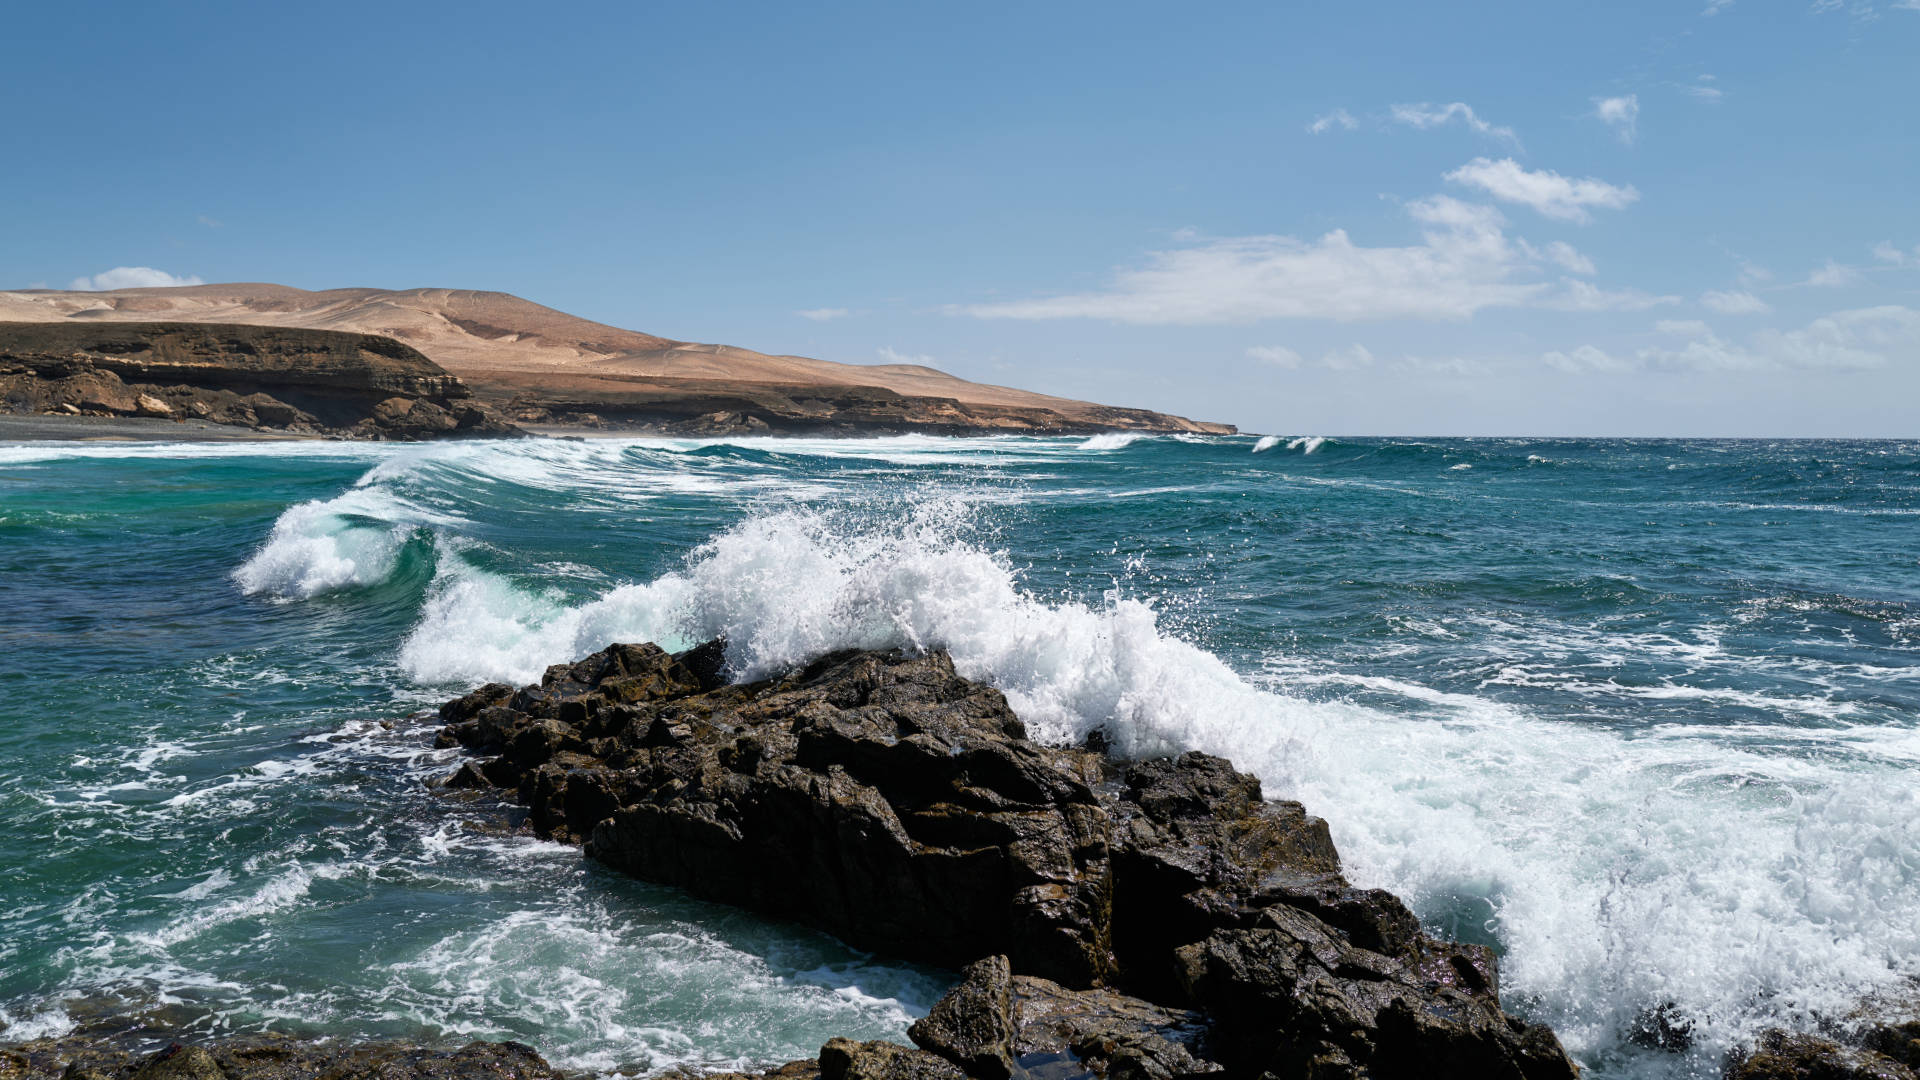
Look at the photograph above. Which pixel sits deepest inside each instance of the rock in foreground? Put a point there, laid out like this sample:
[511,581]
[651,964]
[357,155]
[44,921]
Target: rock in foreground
[270,1057]
[883,798]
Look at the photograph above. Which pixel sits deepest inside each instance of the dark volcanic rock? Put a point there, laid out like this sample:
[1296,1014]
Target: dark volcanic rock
[881,797]
[995,1024]
[310,381]
[844,1059]
[1785,1056]
[270,1057]
[973,1026]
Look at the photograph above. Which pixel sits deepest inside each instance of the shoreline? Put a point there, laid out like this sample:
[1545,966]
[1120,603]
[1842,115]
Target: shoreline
[36,428]
[50,428]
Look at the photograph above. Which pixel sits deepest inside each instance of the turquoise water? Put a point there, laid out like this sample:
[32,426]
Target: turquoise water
[1643,715]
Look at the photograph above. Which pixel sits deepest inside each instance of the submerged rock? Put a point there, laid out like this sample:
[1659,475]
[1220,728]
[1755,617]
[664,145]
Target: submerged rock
[1147,919]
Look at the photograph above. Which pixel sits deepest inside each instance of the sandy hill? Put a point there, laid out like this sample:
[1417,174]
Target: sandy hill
[499,340]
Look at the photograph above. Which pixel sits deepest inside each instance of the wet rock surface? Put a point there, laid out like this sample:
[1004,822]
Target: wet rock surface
[270,1057]
[312,382]
[1147,919]
[1781,1055]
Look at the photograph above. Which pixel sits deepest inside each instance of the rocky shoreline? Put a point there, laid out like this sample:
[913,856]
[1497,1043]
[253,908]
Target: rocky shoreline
[1154,918]
[1126,920]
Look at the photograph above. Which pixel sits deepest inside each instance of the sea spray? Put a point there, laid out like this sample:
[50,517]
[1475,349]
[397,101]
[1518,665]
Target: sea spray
[351,540]
[1112,440]
[1591,859]
[1587,711]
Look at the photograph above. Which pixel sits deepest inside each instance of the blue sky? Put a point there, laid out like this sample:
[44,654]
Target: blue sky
[1697,217]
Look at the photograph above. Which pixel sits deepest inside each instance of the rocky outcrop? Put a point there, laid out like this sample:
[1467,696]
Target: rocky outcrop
[1155,918]
[269,1057]
[1879,1041]
[1782,1055]
[314,382]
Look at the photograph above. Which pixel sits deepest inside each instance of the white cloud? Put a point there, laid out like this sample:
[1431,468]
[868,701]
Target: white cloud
[210,223]
[824,314]
[1569,258]
[1683,327]
[1339,118]
[132,277]
[1352,358]
[1715,7]
[1582,296]
[1863,10]
[1833,276]
[1861,338]
[1622,114]
[1464,263]
[1752,273]
[1733,302]
[1701,91]
[1446,365]
[1424,116]
[1889,254]
[1586,358]
[1853,340]
[1549,193]
[1277,355]
[893,356]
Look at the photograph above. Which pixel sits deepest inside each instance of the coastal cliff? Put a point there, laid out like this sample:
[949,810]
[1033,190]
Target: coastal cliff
[312,382]
[542,367]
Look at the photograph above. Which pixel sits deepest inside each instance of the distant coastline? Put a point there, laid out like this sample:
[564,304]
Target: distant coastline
[525,364]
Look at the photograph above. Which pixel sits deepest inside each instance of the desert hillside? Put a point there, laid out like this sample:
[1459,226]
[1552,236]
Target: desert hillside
[535,358]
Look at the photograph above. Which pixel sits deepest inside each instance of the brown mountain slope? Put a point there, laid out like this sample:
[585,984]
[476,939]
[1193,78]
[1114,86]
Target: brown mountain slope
[537,360]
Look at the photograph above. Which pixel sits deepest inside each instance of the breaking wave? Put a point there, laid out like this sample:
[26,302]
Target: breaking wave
[1745,884]
[1618,874]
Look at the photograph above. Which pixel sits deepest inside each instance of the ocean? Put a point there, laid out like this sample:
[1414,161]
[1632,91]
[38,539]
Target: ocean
[1642,715]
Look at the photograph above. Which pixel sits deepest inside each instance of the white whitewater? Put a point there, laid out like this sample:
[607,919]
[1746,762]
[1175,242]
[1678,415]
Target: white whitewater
[1617,871]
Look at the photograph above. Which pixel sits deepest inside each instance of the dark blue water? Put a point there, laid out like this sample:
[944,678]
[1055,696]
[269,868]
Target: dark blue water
[1642,715]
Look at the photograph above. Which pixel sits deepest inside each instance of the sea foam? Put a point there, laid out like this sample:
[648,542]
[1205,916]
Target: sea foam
[1618,872]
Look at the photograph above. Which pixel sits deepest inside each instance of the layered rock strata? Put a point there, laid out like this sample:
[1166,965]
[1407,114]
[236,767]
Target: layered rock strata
[1154,918]
[313,382]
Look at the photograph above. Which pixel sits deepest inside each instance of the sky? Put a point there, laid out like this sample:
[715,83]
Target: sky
[1547,218]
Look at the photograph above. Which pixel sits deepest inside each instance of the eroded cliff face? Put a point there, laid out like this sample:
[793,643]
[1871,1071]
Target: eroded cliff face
[1157,918]
[315,382]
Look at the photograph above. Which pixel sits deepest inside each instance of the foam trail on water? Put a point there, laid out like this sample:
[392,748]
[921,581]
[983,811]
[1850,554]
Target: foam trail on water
[1746,887]
[1307,444]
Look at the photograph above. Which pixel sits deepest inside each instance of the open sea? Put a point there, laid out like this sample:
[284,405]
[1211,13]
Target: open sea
[1643,715]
